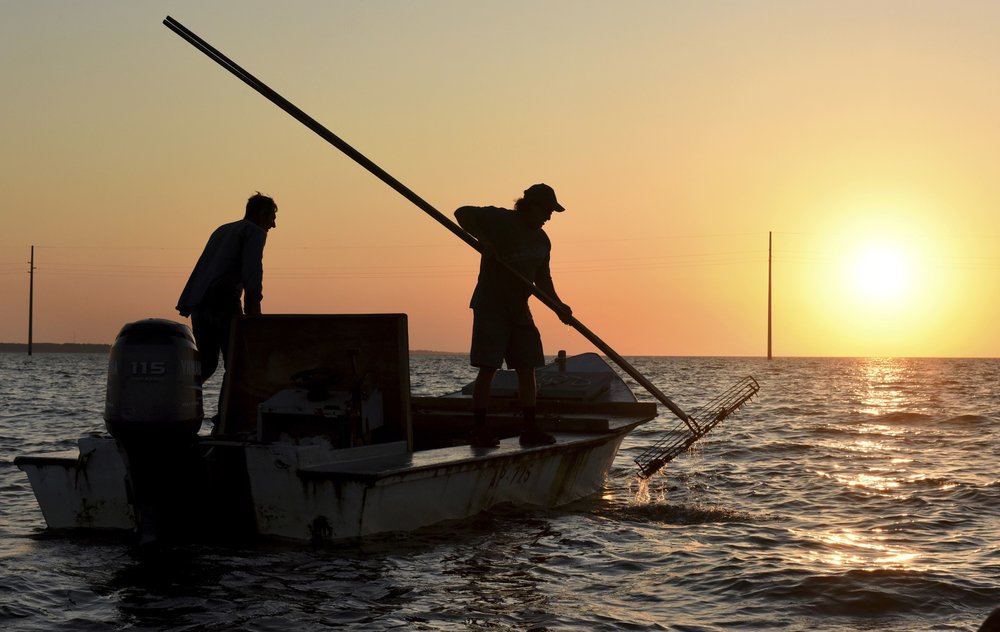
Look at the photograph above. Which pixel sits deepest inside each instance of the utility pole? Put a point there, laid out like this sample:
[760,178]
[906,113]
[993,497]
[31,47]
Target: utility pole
[768,295]
[31,296]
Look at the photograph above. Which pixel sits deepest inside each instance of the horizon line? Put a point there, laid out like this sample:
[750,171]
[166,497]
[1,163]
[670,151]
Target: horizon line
[15,347]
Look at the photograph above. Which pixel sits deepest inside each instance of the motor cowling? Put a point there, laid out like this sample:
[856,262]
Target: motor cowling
[154,381]
[154,410]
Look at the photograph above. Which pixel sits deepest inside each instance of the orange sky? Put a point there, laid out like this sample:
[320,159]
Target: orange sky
[676,134]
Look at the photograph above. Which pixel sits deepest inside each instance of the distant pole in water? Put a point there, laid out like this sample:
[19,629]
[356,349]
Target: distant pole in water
[768,295]
[31,296]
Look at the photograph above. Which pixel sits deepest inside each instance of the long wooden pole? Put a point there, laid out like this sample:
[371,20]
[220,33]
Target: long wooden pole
[768,295]
[423,205]
[31,298]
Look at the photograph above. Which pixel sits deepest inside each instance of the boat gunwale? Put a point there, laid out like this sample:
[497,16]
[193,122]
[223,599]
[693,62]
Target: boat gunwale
[510,450]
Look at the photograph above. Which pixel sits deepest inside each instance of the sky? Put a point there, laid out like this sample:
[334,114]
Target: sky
[852,144]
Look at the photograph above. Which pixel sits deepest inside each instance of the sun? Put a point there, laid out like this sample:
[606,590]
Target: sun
[882,274]
[883,285]
[873,303]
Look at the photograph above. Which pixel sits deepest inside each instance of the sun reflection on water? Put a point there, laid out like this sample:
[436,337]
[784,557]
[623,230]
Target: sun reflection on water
[883,381]
[870,451]
[849,548]
[864,445]
[869,481]
[863,481]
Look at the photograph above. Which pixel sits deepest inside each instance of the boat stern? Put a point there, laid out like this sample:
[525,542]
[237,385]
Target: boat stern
[81,491]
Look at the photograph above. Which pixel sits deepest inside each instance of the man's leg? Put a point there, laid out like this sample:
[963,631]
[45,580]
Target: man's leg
[211,335]
[225,325]
[482,437]
[481,388]
[526,348]
[489,335]
[531,435]
[206,338]
[527,388]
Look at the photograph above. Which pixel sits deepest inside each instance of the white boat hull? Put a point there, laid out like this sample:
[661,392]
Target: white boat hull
[299,493]
[84,491]
[295,500]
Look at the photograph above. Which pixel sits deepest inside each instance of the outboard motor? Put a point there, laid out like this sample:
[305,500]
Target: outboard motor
[154,381]
[154,410]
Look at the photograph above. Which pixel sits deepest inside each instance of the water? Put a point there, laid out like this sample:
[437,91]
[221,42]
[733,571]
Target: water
[855,494]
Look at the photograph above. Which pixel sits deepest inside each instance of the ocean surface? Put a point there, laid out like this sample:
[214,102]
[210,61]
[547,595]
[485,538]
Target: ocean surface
[854,494]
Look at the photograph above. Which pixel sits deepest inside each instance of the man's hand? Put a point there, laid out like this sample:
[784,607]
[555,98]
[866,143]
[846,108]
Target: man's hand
[565,313]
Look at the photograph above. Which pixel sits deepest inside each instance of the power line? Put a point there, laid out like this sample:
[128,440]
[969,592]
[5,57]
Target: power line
[672,260]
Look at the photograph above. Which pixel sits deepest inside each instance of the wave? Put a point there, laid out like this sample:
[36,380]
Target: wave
[868,593]
[911,418]
[852,594]
[863,422]
[903,418]
[667,513]
[971,420]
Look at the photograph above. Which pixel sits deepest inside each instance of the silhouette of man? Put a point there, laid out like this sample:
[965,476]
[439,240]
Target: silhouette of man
[503,328]
[230,265]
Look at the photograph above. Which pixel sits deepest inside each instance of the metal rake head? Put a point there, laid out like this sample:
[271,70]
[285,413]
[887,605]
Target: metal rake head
[684,435]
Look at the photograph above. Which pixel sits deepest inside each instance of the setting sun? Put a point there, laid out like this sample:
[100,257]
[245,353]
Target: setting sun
[882,274]
[879,277]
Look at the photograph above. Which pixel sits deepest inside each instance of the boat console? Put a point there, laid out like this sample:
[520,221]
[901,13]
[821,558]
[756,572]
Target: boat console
[340,378]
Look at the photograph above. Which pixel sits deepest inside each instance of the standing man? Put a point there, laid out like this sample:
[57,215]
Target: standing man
[230,265]
[503,328]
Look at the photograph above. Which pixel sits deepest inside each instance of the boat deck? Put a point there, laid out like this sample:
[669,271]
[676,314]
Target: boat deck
[571,431]
[446,421]
[427,461]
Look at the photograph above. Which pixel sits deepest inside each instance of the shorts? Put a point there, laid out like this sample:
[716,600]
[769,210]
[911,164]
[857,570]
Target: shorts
[496,337]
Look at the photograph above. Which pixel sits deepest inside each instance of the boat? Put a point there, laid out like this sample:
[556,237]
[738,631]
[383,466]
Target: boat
[319,438]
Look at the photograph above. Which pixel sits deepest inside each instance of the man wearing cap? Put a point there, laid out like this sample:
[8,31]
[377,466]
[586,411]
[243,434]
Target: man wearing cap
[503,328]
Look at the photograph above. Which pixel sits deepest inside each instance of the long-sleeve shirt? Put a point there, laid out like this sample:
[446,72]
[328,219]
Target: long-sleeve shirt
[524,248]
[231,263]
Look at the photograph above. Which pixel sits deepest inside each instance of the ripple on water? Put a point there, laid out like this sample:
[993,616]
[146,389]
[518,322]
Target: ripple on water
[680,514]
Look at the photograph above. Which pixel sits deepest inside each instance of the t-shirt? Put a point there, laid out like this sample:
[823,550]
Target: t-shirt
[231,263]
[525,249]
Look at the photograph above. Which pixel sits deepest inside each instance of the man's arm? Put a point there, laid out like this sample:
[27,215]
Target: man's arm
[564,311]
[466,216]
[475,221]
[252,271]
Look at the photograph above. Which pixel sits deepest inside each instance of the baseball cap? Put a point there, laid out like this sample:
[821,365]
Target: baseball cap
[543,195]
